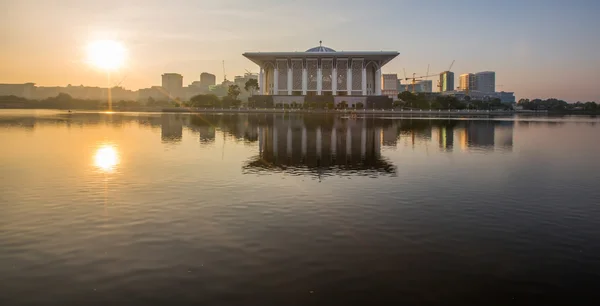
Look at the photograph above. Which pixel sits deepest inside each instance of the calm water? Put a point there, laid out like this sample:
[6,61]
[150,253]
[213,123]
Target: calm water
[151,209]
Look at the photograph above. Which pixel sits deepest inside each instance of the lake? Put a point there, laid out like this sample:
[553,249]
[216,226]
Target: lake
[258,209]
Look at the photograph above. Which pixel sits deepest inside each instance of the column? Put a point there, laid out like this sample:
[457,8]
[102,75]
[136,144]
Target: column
[319,80]
[261,82]
[289,142]
[260,140]
[363,142]
[333,142]
[275,81]
[275,139]
[378,82]
[349,78]
[304,142]
[289,79]
[319,142]
[334,81]
[364,81]
[348,141]
[304,81]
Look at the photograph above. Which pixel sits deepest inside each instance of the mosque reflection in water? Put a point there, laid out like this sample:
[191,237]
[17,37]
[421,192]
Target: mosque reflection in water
[337,144]
[314,143]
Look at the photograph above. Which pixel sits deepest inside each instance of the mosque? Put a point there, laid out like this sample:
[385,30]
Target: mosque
[351,76]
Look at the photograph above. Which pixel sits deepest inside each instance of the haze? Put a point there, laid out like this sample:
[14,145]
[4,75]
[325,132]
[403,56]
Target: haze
[539,49]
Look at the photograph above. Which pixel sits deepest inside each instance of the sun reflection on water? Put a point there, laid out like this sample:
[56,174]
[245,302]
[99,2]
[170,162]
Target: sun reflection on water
[106,158]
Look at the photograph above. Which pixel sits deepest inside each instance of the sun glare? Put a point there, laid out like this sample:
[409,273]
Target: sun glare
[106,54]
[106,158]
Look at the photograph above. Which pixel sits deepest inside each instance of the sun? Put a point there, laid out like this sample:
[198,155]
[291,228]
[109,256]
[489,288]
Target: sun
[106,158]
[106,54]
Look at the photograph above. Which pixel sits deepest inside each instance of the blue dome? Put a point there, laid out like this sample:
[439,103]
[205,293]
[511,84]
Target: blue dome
[320,49]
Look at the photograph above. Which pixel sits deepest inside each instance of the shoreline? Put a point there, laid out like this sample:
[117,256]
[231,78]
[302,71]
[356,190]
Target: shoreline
[350,112]
[330,112]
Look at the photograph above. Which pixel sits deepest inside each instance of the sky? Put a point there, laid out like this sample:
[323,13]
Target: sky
[538,48]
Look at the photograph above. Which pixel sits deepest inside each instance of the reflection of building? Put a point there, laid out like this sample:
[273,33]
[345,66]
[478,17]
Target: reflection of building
[389,136]
[446,137]
[343,145]
[480,133]
[171,128]
[503,135]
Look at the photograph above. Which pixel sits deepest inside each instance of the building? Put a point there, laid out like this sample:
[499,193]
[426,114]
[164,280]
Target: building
[26,90]
[156,93]
[241,80]
[390,85]
[485,81]
[419,86]
[447,81]
[425,85]
[346,147]
[507,97]
[321,71]
[467,82]
[173,84]
[207,79]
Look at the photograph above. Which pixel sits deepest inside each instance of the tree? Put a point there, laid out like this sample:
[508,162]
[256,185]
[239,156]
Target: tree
[251,85]
[343,105]
[359,105]
[233,91]
[407,96]
[209,100]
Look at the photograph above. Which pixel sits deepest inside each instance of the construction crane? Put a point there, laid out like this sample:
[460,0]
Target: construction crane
[414,79]
[224,75]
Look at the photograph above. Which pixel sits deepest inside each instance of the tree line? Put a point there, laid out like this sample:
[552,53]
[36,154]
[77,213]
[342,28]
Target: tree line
[66,101]
[557,105]
[410,100]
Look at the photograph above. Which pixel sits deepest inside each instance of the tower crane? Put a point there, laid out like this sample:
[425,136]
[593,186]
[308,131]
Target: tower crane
[414,79]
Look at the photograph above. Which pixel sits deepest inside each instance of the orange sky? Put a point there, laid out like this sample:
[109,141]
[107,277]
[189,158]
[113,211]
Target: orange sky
[536,51]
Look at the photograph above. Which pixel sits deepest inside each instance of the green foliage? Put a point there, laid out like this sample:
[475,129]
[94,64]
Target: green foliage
[407,96]
[359,105]
[447,102]
[208,100]
[233,91]
[549,104]
[251,85]
[343,105]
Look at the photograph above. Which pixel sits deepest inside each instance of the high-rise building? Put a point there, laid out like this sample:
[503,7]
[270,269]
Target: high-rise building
[468,82]
[207,79]
[418,86]
[390,85]
[173,84]
[424,86]
[485,81]
[446,81]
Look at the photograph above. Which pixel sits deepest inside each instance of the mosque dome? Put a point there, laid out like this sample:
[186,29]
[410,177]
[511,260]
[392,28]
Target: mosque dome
[320,48]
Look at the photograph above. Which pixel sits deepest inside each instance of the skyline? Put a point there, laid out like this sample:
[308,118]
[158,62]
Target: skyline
[538,49]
